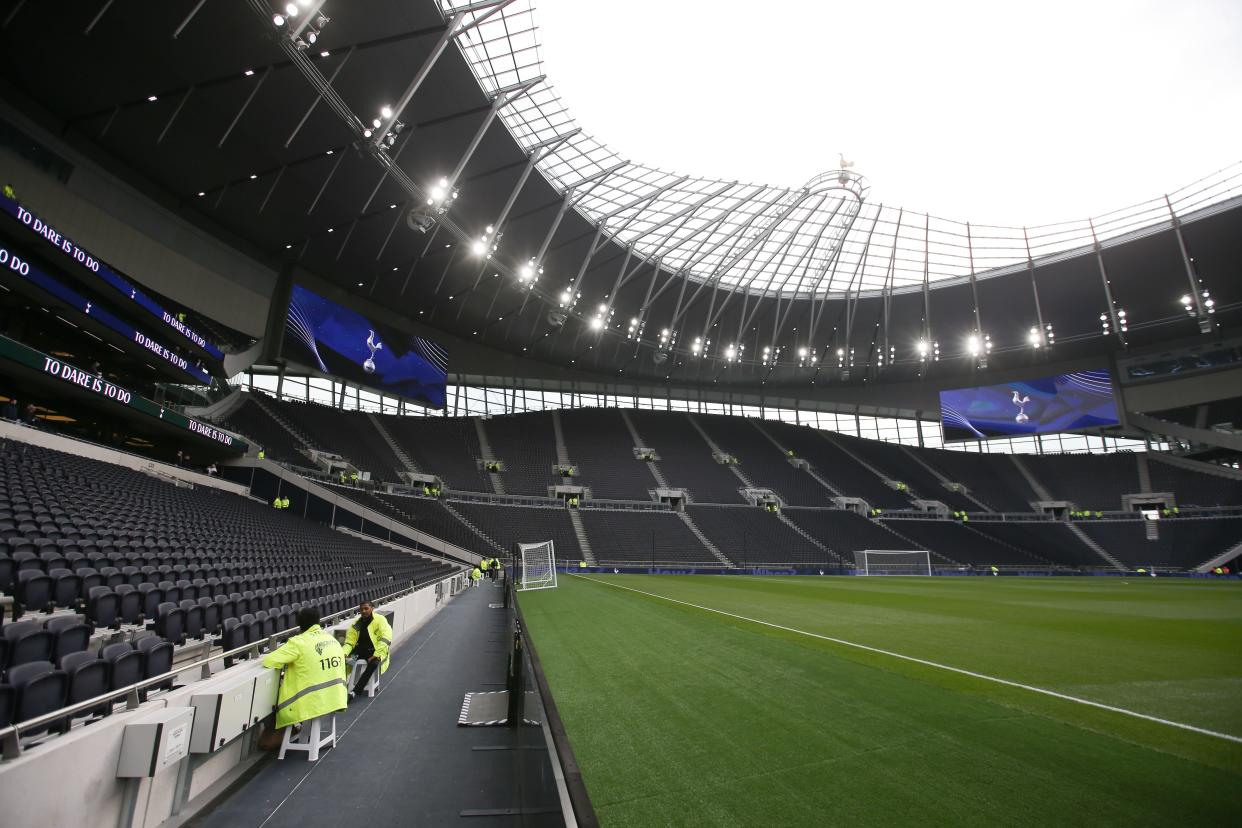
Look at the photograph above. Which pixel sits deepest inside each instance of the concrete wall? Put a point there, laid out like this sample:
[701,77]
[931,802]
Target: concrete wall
[71,779]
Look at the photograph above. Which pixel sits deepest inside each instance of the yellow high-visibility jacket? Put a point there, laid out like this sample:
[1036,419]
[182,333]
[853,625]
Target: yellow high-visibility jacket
[381,636]
[314,680]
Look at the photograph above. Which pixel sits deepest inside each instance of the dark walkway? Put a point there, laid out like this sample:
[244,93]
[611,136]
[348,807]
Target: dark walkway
[401,758]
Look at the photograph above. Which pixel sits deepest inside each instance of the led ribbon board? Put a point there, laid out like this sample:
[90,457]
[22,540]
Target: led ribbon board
[1065,402]
[336,340]
[15,265]
[97,386]
[49,234]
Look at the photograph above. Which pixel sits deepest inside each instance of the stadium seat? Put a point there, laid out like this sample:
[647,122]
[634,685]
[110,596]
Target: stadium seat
[152,597]
[8,571]
[34,590]
[125,665]
[103,608]
[41,689]
[71,634]
[193,618]
[130,604]
[28,641]
[88,678]
[66,587]
[157,660]
[170,623]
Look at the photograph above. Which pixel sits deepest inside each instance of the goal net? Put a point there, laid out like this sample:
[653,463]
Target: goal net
[537,566]
[892,562]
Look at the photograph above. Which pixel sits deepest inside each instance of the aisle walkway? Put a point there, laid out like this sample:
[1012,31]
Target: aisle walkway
[401,758]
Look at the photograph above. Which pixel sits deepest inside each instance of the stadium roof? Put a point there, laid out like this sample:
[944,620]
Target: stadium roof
[271,146]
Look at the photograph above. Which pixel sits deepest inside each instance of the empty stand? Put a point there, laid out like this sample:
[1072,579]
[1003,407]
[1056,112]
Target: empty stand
[527,445]
[685,457]
[251,420]
[602,448]
[957,542]
[837,466]
[1051,540]
[845,532]
[1183,543]
[508,525]
[1194,488]
[642,537]
[444,446]
[1091,481]
[748,534]
[992,479]
[762,462]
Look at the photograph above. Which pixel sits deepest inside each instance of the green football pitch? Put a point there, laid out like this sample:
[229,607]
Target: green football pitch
[721,700]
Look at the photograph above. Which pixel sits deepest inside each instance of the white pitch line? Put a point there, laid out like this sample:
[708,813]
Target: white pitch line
[1180,725]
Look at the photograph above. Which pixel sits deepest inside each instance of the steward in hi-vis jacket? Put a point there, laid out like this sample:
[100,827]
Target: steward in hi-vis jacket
[369,638]
[314,680]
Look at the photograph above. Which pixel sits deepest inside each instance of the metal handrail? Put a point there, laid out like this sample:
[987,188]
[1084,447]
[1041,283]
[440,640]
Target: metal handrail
[10,736]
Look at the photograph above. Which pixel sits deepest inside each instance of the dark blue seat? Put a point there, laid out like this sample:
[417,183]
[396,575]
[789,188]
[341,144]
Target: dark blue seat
[34,590]
[88,678]
[72,636]
[211,616]
[157,659]
[125,665]
[27,642]
[131,604]
[8,701]
[170,622]
[103,608]
[152,597]
[193,618]
[41,689]
[66,587]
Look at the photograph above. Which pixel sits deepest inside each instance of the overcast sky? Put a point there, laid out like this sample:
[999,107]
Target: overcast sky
[992,112]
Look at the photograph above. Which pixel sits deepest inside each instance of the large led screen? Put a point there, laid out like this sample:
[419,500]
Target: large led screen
[1066,402]
[336,340]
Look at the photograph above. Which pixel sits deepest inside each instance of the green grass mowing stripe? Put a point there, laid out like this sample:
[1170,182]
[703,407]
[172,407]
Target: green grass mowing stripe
[682,717]
[1063,696]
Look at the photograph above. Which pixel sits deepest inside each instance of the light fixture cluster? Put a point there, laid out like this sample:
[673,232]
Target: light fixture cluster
[734,352]
[928,350]
[890,358]
[303,37]
[806,354]
[568,297]
[699,345]
[390,138]
[1045,340]
[979,346]
[1106,324]
[601,318]
[1209,304]
[770,354]
[529,273]
[485,245]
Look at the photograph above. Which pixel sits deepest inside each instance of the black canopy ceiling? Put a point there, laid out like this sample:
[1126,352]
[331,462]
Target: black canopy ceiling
[282,177]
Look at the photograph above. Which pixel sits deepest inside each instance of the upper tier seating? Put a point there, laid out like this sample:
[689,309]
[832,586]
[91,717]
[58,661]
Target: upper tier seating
[527,445]
[601,446]
[350,434]
[836,466]
[252,421]
[1184,543]
[749,534]
[893,461]
[762,462]
[444,446]
[685,458]
[845,532]
[1091,481]
[422,513]
[508,525]
[992,479]
[957,542]
[1194,488]
[1051,540]
[642,537]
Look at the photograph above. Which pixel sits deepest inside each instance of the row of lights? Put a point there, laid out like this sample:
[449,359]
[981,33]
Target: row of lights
[1106,324]
[310,33]
[1209,304]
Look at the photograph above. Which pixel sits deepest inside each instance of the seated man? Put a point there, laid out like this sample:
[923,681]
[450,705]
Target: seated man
[368,638]
[314,679]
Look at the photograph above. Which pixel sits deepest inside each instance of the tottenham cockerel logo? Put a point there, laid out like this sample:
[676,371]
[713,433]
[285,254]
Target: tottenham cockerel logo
[319,648]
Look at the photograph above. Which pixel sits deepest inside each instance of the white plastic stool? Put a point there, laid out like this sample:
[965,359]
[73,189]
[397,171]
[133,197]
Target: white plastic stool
[316,733]
[360,664]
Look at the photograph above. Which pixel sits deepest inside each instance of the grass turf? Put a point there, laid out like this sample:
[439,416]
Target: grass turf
[679,716]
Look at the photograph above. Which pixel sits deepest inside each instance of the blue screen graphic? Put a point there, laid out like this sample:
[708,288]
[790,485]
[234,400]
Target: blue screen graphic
[336,340]
[1066,402]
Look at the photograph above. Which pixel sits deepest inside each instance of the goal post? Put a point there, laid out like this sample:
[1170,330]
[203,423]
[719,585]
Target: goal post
[536,566]
[892,562]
